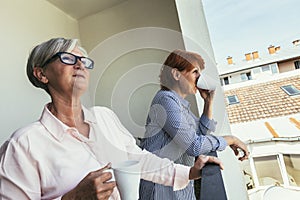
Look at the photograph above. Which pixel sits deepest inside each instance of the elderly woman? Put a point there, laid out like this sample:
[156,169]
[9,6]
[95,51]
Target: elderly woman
[173,131]
[65,153]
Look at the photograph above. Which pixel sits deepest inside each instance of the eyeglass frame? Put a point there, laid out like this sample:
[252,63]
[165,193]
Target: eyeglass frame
[58,54]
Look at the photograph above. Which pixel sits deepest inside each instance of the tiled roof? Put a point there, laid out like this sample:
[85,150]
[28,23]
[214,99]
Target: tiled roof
[263,100]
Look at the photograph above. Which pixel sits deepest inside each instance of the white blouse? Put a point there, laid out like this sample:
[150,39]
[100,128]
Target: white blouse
[46,159]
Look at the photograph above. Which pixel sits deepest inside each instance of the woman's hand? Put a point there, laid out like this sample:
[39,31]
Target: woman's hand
[195,171]
[237,145]
[93,186]
[207,95]
[208,102]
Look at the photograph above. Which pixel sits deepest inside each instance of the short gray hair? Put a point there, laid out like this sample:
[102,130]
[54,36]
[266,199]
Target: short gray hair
[43,52]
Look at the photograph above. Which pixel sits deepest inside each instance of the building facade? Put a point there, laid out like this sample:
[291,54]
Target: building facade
[255,67]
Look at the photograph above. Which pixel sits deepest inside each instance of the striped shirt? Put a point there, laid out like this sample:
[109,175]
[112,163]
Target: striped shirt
[174,132]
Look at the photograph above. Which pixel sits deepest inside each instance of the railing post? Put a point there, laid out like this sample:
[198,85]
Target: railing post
[212,185]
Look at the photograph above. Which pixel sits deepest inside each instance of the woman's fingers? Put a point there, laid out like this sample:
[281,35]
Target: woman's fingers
[211,159]
[105,186]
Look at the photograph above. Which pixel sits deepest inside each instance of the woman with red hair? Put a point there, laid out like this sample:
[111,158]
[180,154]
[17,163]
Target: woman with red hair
[173,131]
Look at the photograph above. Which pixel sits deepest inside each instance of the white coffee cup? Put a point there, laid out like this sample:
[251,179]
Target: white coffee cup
[127,175]
[206,82]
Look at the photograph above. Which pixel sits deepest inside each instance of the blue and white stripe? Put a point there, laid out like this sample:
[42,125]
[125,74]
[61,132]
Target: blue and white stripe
[174,132]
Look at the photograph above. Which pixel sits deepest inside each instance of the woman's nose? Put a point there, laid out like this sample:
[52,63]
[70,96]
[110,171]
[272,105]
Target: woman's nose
[79,64]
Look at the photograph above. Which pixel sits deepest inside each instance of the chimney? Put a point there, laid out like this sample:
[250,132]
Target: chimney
[271,49]
[248,56]
[277,48]
[229,60]
[255,55]
[296,42]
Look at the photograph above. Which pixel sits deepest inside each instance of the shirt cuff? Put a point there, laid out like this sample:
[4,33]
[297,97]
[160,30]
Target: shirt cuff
[222,144]
[181,177]
[210,124]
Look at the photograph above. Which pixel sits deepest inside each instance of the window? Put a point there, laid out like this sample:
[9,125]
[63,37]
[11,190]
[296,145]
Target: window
[274,68]
[246,76]
[297,64]
[292,164]
[256,70]
[265,68]
[290,90]
[232,99]
[226,81]
[272,170]
[268,170]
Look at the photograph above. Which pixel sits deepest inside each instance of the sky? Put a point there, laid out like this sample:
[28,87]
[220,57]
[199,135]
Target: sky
[238,27]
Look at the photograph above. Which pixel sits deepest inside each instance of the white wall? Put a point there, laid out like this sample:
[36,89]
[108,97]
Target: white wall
[129,43]
[196,38]
[128,15]
[23,25]
[235,78]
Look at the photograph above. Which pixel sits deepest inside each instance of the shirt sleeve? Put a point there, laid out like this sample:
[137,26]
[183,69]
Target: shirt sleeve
[207,125]
[162,170]
[153,168]
[19,174]
[170,117]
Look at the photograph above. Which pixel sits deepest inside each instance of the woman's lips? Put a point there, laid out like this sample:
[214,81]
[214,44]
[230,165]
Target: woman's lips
[196,81]
[79,76]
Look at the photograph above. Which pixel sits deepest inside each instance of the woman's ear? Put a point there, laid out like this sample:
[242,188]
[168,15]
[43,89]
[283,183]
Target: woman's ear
[39,74]
[175,73]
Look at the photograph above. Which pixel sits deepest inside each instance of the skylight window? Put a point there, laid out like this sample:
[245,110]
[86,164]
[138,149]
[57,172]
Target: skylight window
[290,90]
[233,99]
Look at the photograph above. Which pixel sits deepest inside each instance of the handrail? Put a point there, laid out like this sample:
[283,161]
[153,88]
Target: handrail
[283,139]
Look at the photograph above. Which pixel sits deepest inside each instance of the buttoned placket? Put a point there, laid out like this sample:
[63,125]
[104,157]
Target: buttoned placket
[74,133]
[85,142]
[88,146]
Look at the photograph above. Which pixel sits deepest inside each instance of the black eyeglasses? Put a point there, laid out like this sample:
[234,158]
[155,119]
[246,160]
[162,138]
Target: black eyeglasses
[71,59]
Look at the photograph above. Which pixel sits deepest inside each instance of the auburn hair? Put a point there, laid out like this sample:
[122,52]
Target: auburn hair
[182,61]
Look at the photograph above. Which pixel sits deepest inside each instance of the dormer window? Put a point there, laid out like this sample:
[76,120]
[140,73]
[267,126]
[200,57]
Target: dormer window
[226,81]
[290,90]
[246,76]
[233,99]
[265,68]
[297,64]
